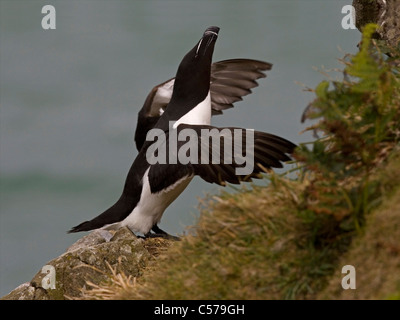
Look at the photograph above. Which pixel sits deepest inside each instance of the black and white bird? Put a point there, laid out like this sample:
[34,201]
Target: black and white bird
[151,187]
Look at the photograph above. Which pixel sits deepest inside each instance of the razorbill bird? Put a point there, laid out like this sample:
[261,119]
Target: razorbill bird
[151,187]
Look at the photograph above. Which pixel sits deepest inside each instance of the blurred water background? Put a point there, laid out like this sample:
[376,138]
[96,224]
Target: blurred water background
[69,99]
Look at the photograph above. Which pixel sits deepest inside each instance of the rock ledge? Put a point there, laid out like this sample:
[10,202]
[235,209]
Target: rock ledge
[90,259]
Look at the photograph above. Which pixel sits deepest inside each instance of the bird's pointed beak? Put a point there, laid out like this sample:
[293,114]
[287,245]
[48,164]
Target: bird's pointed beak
[209,37]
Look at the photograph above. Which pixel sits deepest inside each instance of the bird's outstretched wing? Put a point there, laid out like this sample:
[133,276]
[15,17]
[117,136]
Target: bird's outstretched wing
[216,154]
[233,79]
[230,81]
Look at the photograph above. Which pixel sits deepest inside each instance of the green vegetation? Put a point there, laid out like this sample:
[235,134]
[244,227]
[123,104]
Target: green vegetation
[290,239]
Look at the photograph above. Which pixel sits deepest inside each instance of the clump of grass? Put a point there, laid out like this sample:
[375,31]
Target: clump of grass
[285,240]
[118,283]
[375,254]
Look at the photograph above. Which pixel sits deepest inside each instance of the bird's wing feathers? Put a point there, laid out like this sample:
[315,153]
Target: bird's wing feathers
[267,151]
[232,79]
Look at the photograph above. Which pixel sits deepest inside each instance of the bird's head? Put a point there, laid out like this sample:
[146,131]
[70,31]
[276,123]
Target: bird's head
[193,75]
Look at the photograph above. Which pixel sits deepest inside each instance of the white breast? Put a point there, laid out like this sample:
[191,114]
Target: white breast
[200,114]
[151,206]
